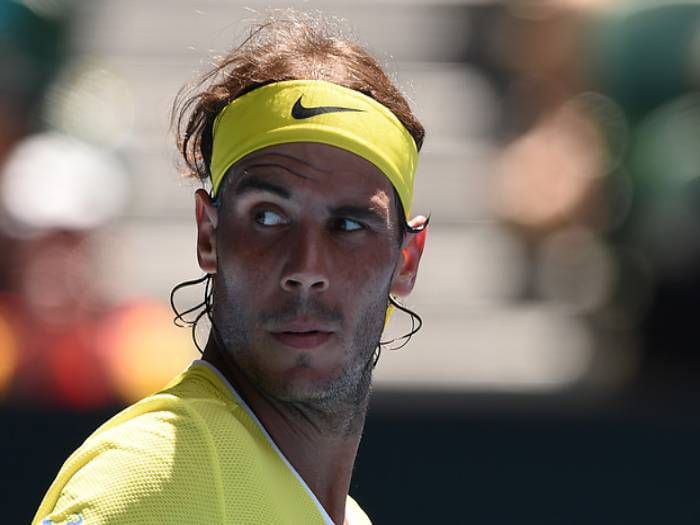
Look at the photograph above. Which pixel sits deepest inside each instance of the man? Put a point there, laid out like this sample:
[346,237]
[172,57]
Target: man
[311,153]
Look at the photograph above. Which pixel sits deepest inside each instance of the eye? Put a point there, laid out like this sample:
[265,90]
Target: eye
[268,218]
[347,225]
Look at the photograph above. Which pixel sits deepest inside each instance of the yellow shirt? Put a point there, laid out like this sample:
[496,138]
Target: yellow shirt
[192,453]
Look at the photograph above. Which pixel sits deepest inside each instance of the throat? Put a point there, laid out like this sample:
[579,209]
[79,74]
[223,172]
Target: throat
[318,437]
[322,419]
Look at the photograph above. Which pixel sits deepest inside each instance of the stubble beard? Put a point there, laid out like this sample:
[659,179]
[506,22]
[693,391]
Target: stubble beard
[335,405]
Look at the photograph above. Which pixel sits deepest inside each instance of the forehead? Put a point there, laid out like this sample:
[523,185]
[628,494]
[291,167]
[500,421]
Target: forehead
[328,169]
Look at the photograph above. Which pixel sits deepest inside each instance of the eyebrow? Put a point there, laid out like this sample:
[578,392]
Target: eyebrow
[252,184]
[364,213]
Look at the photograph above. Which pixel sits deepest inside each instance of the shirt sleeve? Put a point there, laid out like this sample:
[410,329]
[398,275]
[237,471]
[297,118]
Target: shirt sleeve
[154,468]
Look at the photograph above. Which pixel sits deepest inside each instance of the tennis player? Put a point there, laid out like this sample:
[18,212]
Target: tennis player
[311,153]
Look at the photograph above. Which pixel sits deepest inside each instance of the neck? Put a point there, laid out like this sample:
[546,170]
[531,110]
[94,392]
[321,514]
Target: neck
[321,442]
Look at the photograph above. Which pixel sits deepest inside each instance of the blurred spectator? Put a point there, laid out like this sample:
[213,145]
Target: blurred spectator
[600,172]
[63,342]
[70,345]
[646,59]
[55,191]
[32,50]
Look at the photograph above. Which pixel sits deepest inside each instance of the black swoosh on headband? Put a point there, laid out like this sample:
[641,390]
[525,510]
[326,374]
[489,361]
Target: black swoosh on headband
[299,112]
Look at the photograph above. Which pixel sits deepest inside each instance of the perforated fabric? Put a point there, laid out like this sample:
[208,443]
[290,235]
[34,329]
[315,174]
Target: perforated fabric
[192,454]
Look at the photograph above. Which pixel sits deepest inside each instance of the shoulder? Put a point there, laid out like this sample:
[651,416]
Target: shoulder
[152,463]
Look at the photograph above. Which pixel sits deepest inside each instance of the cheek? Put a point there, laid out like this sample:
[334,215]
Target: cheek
[247,280]
[364,274]
[245,257]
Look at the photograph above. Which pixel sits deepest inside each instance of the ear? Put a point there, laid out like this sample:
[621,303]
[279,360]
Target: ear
[207,217]
[411,252]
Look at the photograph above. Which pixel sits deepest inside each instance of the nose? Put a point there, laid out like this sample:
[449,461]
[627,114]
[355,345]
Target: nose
[305,271]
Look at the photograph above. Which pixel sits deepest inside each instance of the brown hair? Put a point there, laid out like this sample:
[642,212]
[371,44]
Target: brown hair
[296,47]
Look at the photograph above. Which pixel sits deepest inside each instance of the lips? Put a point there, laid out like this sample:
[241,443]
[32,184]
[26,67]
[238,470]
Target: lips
[305,340]
[303,334]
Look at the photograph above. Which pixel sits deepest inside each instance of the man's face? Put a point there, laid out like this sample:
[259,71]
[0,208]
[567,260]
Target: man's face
[306,253]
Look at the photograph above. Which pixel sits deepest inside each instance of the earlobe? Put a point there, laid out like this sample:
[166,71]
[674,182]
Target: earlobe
[207,218]
[411,252]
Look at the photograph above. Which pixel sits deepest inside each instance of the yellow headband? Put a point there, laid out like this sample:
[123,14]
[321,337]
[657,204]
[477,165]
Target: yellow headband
[315,111]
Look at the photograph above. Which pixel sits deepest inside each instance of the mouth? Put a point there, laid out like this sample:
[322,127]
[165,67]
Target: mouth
[310,339]
[304,330]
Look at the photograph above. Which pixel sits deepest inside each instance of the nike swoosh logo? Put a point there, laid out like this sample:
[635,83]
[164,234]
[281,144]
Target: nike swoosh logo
[299,112]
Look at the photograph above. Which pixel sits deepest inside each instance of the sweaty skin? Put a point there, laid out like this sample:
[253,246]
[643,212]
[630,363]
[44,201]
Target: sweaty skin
[304,250]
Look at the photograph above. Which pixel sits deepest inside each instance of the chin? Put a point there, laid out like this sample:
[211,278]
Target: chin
[304,383]
[326,388]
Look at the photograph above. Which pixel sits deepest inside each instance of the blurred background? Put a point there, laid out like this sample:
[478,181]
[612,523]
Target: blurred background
[556,377]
